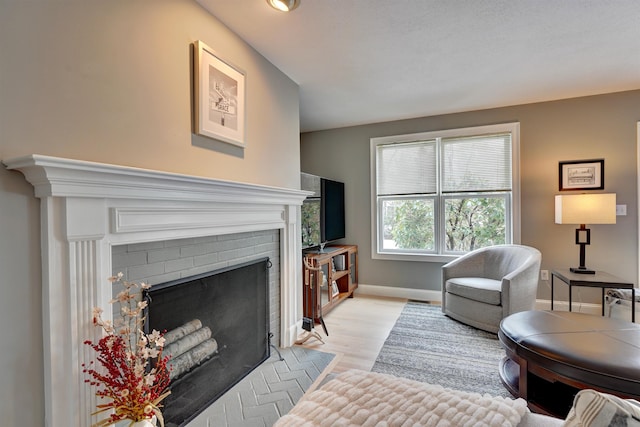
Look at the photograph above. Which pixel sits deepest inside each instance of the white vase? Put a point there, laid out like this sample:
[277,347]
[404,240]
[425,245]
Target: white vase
[150,422]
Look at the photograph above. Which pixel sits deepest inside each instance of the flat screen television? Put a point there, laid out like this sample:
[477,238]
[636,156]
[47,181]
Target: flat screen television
[331,210]
[323,213]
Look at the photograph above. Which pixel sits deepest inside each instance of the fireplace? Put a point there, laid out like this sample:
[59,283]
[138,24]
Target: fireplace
[217,332]
[87,209]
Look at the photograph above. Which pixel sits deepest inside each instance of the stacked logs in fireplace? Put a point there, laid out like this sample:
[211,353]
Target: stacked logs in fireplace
[188,346]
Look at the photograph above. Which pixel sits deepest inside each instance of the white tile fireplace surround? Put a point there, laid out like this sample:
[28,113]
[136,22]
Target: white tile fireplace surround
[88,208]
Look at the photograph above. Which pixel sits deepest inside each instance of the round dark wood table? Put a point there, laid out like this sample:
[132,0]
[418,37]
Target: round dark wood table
[551,355]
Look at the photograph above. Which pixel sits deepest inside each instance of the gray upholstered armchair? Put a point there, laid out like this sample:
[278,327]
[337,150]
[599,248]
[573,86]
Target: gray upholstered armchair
[483,286]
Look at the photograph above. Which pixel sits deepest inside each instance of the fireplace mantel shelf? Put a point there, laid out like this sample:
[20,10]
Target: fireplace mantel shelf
[87,207]
[59,177]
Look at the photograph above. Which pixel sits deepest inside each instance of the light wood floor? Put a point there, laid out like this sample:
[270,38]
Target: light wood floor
[357,330]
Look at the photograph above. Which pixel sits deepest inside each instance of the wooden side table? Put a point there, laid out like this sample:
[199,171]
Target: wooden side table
[600,279]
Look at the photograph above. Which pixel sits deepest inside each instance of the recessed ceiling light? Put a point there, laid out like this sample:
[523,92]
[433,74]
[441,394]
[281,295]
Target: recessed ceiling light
[284,5]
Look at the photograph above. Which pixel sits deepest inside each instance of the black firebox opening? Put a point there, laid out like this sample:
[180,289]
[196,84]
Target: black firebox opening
[218,323]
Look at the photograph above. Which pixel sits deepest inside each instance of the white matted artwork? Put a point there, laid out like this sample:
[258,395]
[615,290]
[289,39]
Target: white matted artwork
[219,97]
[581,175]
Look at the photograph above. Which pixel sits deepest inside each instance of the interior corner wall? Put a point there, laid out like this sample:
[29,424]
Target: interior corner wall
[593,127]
[110,82]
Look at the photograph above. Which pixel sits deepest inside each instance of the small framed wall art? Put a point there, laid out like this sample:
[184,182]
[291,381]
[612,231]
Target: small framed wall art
[581,175]
[219,97]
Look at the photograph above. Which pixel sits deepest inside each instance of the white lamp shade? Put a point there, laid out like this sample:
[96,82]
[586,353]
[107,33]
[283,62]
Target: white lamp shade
[586,209]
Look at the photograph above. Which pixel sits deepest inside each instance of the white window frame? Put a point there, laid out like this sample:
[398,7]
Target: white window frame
[376,223]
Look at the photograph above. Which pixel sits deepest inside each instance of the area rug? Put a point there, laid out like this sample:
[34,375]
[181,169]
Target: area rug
[425,345]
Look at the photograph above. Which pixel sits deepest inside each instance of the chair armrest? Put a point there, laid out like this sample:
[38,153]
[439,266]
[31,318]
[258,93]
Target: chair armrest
[468,265]
[520,287]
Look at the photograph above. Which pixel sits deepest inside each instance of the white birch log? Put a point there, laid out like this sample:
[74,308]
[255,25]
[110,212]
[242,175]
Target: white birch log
[181,331]
[187,361]
[187,342]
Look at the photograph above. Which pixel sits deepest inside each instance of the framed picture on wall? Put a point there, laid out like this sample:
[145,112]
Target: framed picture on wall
[219,97]
[581,175]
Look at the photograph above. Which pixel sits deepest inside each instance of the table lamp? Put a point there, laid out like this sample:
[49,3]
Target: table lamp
[585,209]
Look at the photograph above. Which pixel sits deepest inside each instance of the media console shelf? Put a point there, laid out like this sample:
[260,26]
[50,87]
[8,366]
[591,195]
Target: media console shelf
[336,263]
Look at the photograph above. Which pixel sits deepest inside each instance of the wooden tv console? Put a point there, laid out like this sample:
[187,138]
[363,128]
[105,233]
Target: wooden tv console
[336,263]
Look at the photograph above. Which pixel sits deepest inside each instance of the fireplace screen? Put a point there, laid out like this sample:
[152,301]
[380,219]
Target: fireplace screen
[217,331]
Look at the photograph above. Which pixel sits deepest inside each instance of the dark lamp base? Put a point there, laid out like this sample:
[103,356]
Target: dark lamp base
[582,270]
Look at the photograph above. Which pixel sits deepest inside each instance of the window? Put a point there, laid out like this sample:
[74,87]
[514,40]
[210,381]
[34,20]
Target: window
[437,195]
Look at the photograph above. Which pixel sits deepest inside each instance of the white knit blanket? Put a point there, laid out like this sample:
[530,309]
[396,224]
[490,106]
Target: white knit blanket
[359,398]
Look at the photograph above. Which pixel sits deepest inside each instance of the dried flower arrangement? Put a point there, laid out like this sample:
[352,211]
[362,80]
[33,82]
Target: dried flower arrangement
[134,373]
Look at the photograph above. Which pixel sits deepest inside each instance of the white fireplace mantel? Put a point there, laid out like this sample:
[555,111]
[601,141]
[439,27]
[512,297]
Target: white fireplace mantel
[86,208]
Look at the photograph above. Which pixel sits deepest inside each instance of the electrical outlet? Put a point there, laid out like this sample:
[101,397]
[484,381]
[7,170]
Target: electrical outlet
[544,275]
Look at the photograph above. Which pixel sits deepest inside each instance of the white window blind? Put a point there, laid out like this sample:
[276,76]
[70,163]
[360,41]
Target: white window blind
[408,168]
[480,163]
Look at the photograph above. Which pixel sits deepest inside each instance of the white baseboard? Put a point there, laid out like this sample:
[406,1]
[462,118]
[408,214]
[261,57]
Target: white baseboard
[394,292]
[579,307]
[436,296]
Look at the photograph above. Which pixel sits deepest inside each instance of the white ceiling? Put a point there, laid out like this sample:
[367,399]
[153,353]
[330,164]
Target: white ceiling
[365,61]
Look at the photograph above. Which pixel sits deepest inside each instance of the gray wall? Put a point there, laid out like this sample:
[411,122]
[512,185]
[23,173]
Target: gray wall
[110,81]
[581,128]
